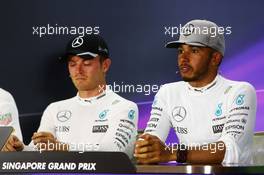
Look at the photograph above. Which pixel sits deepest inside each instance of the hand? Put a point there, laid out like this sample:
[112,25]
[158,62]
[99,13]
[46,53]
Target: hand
[150,149]
[13,144]
[45,141]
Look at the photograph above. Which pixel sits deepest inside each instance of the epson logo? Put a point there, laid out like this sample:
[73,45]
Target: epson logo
[238,127]
[218,128]
[100,128]
[181,130]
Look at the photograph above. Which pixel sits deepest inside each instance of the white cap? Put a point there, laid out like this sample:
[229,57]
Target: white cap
[200,33]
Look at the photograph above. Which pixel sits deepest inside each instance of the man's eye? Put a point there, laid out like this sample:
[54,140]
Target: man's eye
[87,63]
[71,64]
[195,50]
[180,51]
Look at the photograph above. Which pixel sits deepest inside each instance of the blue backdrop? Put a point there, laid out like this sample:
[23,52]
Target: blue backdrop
[135,32]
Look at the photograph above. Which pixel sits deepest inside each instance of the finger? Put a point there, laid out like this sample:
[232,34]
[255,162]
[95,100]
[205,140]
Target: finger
[18,145]
[9,147]
[41,134]
[141,143]
[147,136]
[14,138]
[43,140]
[145,149]
[144,136]
[147,142]
[4,149]
[145,155]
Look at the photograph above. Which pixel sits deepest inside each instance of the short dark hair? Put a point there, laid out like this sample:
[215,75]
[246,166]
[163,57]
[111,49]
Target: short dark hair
[102,58]
[211,54]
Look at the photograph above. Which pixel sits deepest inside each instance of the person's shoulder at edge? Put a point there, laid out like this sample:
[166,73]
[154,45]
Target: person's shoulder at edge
[121,100]
[5,95]
[173,87]
[62,103]
[240,85]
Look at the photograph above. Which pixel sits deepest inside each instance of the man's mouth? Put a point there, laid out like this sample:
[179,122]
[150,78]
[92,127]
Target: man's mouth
[185,68]
[79,78]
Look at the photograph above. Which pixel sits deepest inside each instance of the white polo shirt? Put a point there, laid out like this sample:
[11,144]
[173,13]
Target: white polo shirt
[224,110]
[107,122]
[9,113]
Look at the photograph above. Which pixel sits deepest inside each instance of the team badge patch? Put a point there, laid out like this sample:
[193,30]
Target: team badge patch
[218,111]
[131,114]
[103,114]
[240,99]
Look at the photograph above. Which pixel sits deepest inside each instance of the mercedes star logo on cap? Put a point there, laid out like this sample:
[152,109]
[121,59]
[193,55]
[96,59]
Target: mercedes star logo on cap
[179,113]
[77,42]
[188,30]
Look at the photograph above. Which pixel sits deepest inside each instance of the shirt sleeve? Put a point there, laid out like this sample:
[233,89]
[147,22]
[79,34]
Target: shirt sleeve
[47,121]
[239,127]
[9,115]
[159,123]
[122,132]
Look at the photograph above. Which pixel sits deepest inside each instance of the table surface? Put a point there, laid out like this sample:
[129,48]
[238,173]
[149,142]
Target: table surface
[203,169]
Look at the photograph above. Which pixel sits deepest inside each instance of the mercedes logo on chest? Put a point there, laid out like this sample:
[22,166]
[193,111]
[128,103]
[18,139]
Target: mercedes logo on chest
[179,113]
[63,116]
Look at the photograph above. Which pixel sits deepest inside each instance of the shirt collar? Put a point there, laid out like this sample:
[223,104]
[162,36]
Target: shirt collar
[206,87]
[94,99]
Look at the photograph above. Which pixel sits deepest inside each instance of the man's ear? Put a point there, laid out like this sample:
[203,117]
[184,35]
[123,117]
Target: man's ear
[216,59]
[106,64]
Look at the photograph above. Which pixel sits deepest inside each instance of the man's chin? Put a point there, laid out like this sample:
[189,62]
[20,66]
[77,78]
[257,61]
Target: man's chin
[188,79]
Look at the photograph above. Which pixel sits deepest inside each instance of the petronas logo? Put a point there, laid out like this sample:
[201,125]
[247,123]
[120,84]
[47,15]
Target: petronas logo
[218,111]
[240,99]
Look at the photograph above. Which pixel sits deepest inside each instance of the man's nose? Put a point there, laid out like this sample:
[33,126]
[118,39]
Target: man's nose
[79,68]
[184,57]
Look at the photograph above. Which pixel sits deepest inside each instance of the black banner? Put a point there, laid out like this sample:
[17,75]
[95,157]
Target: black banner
[62,162]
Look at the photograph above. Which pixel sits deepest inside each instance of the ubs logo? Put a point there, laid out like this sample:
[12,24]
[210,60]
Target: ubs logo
[218,128]
[63,116]
[179,113]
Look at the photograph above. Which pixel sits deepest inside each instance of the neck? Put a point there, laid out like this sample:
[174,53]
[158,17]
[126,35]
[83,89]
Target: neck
[203,81]
[94,92]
